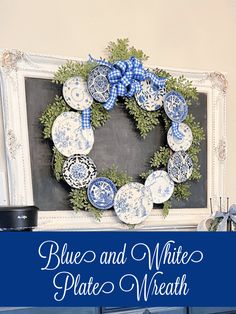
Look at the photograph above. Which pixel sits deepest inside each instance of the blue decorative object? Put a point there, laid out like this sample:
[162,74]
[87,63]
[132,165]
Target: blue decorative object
[75,93]
[123,78]
[180,167]
[161,186]
[101,193]
[133,203]
[176,109]
[151,97]
[180,144]
[68,135]
[79,170]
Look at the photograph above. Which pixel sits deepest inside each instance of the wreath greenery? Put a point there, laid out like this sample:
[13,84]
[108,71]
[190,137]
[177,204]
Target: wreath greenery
[145,121]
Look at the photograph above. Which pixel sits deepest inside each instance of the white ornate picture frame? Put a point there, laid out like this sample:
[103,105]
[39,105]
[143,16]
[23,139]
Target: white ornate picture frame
[16,66]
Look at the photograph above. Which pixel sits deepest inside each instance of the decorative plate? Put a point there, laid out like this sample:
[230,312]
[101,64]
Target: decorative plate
[101,193]
[98,84]
[133,203]
[79,170]
[177,144]
[75,93]
[161,186]
[68,136]
[180,167]
[175,106]
[150,98]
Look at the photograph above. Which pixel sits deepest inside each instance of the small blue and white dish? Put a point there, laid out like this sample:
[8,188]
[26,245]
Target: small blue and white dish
[151,97]
[101,193]
[98,84]
[78,171]
[68,135]
[180,167]
[75,93]
[161,186]
[175,106]
[133,203]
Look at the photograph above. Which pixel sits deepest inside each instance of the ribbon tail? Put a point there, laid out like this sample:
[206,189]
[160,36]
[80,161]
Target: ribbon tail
[176,132]
[101,62]
[156,80]
[223,224]
[86,119]
[112,99]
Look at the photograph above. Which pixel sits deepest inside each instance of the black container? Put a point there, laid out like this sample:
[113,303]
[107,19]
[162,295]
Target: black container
[18,218]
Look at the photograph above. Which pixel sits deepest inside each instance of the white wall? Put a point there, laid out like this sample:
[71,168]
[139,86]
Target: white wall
[188,34]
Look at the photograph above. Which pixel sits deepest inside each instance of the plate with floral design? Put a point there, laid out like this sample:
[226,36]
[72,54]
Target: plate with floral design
[78,171]
[68,136]
[175,106]
[98,84]
[133,203]
[180,144]
[180,167]
[151,97]
[161,186]
[101,193]
[75,93]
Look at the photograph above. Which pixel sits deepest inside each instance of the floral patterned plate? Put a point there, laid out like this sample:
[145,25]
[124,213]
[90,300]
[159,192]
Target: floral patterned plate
[133,203]
[78,171]
[180,166]
[161,186]
[101,193]
[177,144]
[150,98]
[98,84]
[68,136]
[175,106]
[75,93]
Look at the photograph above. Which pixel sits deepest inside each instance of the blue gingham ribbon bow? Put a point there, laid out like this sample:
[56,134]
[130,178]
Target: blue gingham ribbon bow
[125,80]
[230,215]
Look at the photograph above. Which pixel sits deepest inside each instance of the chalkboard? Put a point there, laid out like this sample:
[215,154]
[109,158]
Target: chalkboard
[116,143]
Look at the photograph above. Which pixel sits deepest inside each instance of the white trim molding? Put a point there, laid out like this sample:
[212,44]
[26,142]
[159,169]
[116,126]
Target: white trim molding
[16,66]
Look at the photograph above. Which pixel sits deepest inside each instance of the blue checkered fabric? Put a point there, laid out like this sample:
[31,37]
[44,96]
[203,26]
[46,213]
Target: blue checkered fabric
[125,80]
[86,117]
[175,130]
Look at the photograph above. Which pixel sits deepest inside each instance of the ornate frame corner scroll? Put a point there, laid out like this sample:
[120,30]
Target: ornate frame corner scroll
[16,66]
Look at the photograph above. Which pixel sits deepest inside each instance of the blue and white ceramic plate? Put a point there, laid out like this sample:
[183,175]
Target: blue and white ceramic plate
[180,167]
[75,93]
[68,136]
[78,171]
[177,144]
[98,84]
[175,106]
[161,186]
[151,97]
[101,193]
[133,203]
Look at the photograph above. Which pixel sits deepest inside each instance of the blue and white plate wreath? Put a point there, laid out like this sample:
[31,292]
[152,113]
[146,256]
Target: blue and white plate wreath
[72,135]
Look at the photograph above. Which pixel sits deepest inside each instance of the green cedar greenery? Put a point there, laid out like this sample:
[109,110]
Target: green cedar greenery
[52,111]
[120,50]
[145,121]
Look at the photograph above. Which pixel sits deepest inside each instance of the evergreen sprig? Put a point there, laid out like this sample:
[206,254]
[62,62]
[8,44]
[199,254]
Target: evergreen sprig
[120,50]
[119,178]
[58,161]
[145,121]
[52,111]
[73,68]
[79,201]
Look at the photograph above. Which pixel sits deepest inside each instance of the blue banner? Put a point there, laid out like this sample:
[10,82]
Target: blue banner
[117,269]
